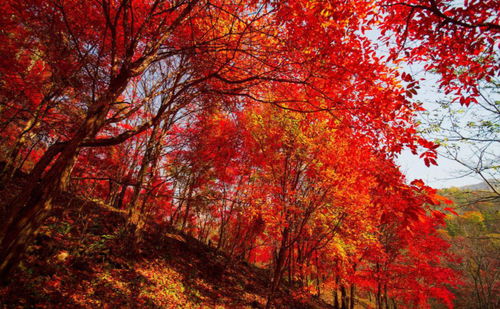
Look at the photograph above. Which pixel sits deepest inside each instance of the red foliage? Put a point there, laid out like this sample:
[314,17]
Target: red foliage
[267,127]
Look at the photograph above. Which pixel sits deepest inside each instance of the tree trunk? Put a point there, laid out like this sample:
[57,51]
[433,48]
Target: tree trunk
[31,208]
[343,296]
[66,176]
[336,299]
[11,164]
[278,269]
[134,208]
[118,204]
[318,287]
[386,299]
[353,292]
[336,304]
[188,206]
[30,212]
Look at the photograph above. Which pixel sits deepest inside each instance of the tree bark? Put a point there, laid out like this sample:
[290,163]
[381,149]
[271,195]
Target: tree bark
[336,304]
[278,269]
[11,166]
[30,212]
[134,215]
[352,297]
[343,296]
[31,208]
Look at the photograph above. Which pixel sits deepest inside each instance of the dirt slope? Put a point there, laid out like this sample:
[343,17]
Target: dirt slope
[81,259]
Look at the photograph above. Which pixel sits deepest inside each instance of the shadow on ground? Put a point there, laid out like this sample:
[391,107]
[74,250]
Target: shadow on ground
[81,259]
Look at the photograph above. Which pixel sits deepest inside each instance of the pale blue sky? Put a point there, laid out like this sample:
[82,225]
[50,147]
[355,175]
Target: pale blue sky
[448,172]
[442,176]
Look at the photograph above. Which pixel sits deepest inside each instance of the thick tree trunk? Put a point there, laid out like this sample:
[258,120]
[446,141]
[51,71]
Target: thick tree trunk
[134,209]
[30,212]
[31,208]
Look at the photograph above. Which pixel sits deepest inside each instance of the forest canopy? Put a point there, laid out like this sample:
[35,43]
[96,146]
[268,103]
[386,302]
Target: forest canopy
[268,129]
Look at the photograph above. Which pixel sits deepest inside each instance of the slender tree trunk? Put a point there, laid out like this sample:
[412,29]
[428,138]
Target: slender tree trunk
[118,204]
[173,216]
[352,297]
[113,188]
[66,176]
[222,227]
[278,269]
[290,265]
[134,210]
[379,297]
[379,289]
[188,206]
[386,300]
[336,304]
[10,165]
[318,287]
[300,250]
[343,296]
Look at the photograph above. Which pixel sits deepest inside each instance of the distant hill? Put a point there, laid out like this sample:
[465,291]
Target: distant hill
[477,197]
[474,234]
[482,186]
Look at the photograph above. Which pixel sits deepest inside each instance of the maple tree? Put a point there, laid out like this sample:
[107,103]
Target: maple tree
[459,41]
[267,128]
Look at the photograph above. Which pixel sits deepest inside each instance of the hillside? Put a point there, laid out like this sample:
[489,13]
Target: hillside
[470,199]
[80,259]
[474,234]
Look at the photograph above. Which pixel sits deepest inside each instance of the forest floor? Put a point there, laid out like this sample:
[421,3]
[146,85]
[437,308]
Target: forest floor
[80,259]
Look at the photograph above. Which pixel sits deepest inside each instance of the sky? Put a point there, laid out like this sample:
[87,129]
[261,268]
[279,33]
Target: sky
[447,173]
